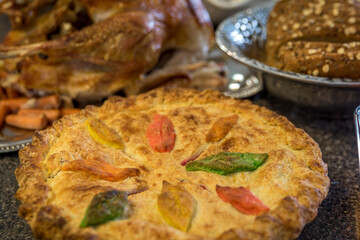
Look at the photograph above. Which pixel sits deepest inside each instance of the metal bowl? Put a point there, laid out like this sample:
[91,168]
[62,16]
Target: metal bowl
[243,37]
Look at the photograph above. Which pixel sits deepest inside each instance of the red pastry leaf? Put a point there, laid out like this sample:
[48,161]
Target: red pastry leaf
[242,199]
[193,156]
[189,159]
[161,134]
[101,169]
[221,128]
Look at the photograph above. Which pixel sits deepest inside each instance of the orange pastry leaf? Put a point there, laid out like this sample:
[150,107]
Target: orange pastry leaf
[103,134]
[242,199]
[161,134]
[101,169]
[176,205]
[221,128]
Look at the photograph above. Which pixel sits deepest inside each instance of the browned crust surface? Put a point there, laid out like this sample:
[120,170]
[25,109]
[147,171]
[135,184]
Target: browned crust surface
[292,182]
[319,38]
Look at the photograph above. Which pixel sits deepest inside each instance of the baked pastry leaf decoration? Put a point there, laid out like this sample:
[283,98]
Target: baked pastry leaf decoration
[176,205]
[228,162]
[101,169]
[161,134]
[103,134]
[221,128]
[193,156]
[189,159]
[104,207]
[242,199]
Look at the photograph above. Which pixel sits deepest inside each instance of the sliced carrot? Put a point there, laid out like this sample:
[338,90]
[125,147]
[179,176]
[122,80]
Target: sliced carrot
[52,101]
[14,104]
[50,114]
[3,111]
[11,93]
[27,121]
[68,111]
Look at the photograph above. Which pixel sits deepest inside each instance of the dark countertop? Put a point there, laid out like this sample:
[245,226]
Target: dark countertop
[338,216]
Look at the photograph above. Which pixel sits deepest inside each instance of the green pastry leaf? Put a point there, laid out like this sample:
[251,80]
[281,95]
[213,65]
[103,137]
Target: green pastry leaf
[228,162]
[104,207]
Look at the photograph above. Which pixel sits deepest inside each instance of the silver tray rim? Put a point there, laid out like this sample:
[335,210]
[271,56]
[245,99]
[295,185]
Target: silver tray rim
[13,146]
[262,67]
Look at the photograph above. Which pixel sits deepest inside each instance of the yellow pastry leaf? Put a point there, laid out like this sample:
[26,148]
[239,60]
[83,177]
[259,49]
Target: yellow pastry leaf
[103,134]
[176,205]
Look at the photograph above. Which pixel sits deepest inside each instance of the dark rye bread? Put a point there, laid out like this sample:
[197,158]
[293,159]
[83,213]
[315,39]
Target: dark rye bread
[320,38]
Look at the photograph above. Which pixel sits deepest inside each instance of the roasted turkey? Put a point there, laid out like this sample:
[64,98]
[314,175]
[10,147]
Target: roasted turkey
[88,49]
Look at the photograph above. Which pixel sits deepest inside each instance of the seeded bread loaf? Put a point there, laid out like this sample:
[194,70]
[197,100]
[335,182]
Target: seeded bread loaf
[320,38]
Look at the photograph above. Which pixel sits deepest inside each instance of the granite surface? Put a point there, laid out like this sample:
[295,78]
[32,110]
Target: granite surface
[338,216]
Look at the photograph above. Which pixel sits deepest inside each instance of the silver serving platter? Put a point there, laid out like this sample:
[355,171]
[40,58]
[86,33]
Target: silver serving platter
[241,82]
[13,139]
[243,37]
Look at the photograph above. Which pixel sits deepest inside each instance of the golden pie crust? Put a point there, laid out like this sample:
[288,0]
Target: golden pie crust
[292,182]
